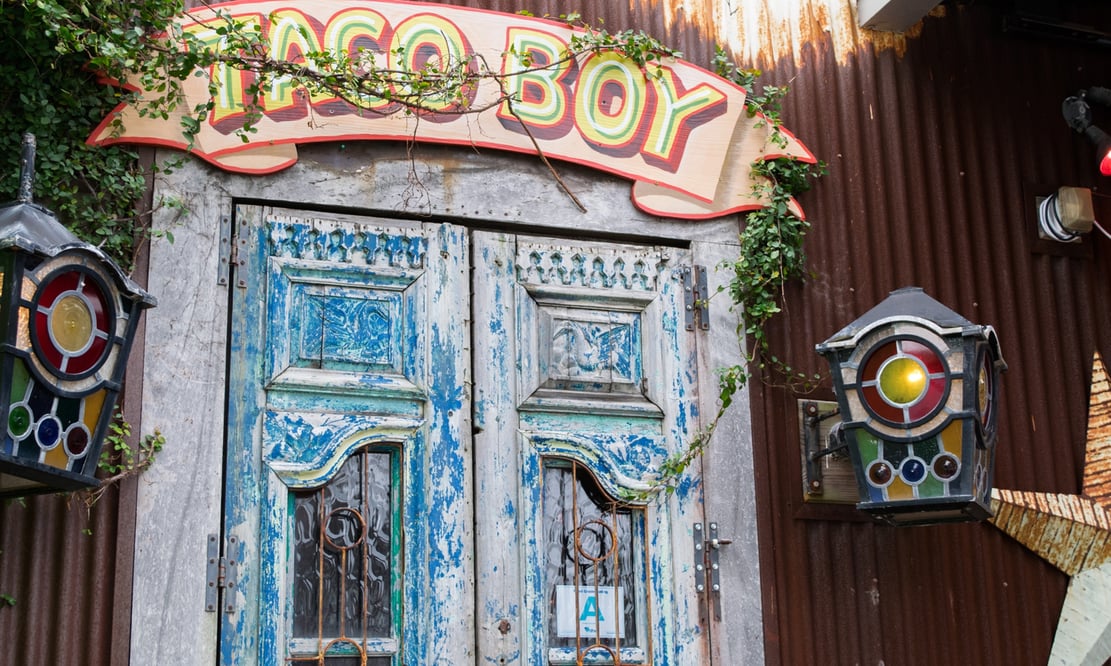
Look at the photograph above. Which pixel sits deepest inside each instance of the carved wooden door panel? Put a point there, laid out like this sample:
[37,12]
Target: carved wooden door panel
[584,383]
[366,528]
[348,507]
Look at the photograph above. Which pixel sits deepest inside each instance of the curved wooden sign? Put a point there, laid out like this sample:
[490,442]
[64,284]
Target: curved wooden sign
[683,136]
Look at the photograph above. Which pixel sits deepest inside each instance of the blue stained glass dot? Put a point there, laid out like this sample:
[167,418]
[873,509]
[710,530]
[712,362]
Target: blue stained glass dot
[913,470]
[48,432]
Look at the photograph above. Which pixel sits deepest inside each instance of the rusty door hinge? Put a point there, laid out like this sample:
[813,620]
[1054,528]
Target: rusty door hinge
[707,569]
[222,574]
[233,252]
[696,296]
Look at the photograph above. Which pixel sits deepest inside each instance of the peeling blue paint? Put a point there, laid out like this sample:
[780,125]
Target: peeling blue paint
[357,331]
[371,348]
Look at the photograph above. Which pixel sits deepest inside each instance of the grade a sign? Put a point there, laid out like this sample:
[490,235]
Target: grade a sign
[597,612]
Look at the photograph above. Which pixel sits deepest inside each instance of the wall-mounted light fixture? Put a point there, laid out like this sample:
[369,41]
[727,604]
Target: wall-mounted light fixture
[69,315]
[917,392]
[1078,114]
[1066,214]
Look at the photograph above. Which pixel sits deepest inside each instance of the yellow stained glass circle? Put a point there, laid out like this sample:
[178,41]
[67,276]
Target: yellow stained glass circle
[984,390]
[902,380]
[71,324]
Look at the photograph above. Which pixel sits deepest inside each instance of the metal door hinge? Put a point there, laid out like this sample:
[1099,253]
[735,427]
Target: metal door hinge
[233,252]
[707,569]
[696,298]
[223,574]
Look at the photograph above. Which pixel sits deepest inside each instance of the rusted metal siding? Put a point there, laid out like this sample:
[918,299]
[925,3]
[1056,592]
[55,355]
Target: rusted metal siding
[935,151]
[937,141]
[58,565]
[66,567]
[934,139]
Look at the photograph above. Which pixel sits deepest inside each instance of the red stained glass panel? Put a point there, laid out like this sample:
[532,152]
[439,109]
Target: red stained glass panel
[83,355]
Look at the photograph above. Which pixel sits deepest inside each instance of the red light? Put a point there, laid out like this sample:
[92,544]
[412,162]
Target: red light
[1105,164]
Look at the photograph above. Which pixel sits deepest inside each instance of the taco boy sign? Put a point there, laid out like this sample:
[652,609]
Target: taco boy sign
[680,133]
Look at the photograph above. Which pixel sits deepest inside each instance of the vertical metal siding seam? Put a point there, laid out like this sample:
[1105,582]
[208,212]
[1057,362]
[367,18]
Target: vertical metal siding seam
[971,238]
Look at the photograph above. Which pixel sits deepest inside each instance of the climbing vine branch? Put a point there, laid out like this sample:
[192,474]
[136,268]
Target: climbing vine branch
[154,48]
[121,458]
[159,47]
[144,42]
[770,255]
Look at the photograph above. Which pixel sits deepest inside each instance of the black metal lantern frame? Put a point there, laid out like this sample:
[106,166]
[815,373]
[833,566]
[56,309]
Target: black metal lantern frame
[917,391]
[69,317]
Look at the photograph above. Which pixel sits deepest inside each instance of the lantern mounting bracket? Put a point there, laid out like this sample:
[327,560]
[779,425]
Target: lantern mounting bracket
[917,385]
[814,452]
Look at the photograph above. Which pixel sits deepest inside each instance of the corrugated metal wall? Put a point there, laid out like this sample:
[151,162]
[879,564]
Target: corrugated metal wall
[933,147]
[933,156]
[65,566]
[58,567]
[934,140]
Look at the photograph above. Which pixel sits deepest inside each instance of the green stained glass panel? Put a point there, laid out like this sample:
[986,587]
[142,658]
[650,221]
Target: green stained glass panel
[927,450]
[931,487]
[868,446]
[20,377]
[894,453]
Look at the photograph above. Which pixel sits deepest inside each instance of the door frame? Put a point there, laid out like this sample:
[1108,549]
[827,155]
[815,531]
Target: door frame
[179,499]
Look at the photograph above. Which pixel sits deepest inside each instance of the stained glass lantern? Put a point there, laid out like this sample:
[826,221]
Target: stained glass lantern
[69,315]
[917,390]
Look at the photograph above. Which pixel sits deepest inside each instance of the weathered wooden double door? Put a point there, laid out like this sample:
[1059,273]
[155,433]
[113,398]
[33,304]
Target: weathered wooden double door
[433,437]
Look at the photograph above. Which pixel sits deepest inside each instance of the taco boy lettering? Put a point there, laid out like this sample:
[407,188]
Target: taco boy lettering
[675,131]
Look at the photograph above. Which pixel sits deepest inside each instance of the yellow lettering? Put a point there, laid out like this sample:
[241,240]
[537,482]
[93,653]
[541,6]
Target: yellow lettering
[427,44]
[358,34]
[674,114]
[231,84]
[609,101]
[536,67]
[292,37]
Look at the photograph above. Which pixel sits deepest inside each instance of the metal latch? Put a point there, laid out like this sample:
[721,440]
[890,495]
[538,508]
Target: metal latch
[696,298]
[222,573]
[707,570]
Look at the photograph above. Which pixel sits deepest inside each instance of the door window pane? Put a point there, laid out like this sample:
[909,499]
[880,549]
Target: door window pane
[344,587]
[594,568]
[342,661]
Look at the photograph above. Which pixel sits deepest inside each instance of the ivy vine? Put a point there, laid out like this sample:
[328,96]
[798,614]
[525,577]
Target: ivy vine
[53,96]
[49,91]
[95,189]
[771,255]
[119,459]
